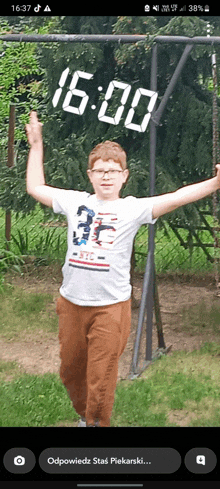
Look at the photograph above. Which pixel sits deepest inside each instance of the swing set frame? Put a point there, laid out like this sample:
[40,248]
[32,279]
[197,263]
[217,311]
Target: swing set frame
[149,299]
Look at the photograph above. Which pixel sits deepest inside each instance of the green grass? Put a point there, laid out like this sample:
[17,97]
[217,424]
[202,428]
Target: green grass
[9,370]
[32,400]
[23,312]
[185,385]
[201,317]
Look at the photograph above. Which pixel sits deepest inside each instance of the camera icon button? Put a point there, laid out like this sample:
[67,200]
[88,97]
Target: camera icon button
[19,460]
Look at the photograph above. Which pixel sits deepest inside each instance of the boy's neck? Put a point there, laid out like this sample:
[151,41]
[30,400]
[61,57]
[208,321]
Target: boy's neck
[107,199]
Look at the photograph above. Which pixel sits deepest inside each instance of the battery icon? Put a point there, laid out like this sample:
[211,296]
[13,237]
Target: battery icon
[206,8]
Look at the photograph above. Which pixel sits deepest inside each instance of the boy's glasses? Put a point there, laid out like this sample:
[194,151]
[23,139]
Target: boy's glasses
[110,173]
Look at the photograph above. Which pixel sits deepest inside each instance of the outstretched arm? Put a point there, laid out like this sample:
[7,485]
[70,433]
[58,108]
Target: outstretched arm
[35,181]
[185,195]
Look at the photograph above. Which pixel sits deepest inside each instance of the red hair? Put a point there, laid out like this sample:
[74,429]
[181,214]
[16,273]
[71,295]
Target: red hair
[109,150]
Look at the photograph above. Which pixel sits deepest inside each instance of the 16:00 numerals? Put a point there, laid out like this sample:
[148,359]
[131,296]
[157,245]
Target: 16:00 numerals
[101,115]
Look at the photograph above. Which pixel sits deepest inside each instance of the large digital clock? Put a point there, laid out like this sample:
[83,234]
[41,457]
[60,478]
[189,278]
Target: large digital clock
[125,87]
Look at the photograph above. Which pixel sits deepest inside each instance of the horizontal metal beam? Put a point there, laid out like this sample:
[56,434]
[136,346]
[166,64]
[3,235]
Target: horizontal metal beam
[120,38]
[71,38]
[188,40]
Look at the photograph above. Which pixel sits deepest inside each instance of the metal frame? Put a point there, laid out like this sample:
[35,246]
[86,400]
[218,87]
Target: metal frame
[147,300]
[120,38]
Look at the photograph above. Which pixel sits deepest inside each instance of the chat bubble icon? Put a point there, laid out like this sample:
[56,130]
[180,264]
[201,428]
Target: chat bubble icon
[200,459]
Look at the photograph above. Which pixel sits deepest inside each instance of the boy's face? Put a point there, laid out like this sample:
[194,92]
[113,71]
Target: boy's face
[107,185]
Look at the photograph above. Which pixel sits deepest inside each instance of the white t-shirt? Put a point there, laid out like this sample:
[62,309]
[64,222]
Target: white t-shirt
[100,239]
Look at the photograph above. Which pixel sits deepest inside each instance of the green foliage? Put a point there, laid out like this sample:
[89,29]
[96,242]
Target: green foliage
[22,84]
[9,260]
[184,140]
[21,241]
[19,81]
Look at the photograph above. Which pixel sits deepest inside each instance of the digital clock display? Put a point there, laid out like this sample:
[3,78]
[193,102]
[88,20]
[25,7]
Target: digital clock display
[102,113]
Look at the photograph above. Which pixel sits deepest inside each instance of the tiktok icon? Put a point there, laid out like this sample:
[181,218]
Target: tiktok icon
[37,8]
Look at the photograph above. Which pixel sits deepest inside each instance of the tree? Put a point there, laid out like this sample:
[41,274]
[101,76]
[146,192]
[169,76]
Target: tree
[21,81]
[184,144]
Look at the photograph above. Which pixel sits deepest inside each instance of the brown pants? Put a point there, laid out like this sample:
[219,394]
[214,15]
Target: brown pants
[91,342]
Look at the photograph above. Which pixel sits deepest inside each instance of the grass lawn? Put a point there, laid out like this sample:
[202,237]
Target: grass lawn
[184,386]
[34,400]
[181,389]
[174,390]
[23,312]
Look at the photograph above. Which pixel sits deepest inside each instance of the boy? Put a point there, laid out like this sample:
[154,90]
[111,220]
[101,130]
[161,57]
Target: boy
[94,305]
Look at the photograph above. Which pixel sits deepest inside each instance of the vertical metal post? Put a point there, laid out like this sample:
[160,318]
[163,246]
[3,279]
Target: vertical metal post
[10,163]
[147,299]
[153,138]
[147,291]
[215,160]
[161,342]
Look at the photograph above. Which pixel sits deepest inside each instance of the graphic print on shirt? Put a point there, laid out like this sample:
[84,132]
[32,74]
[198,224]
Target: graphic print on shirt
[104,230]
[96,232]
[83,225]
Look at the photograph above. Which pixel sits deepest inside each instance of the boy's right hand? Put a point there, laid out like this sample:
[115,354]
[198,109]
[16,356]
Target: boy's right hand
[34,129]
